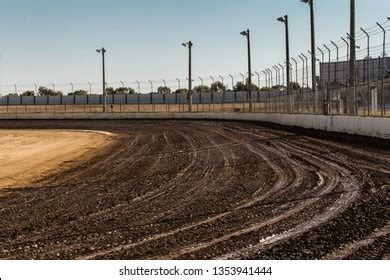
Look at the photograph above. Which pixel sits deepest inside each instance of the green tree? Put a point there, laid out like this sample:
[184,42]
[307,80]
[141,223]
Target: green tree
[12,94]
[295,86]
[28,93]
[79,92]
[110,90]
[164,90]
[182,90]
[44,91]
[217,86]
[201,89]
[240,86]
[131,90]
[265,89]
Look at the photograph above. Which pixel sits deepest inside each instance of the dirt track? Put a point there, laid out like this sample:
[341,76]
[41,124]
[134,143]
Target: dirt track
[203,190]
[27,155]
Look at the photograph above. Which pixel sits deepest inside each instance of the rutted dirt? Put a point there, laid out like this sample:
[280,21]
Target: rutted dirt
[204,190]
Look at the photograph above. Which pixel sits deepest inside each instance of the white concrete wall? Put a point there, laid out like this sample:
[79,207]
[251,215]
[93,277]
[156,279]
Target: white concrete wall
[366,126]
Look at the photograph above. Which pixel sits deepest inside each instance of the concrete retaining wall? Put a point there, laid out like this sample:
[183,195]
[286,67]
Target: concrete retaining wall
[366,126]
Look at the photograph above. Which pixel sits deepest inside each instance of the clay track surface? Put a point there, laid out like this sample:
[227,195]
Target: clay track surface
[205,190]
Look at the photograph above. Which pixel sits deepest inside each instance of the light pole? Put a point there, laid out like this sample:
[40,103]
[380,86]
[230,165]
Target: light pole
[165,83]
[285,21]
[178,81]
[383,109]
[368,67]
[352,62]
[103,51]
[313,42]
[247,35]
[71,87]
[90,88]
[151,86]
[139,86]
[54,86]
[36,89]
[231,77]
[189,44]
[122,83]
[16,88]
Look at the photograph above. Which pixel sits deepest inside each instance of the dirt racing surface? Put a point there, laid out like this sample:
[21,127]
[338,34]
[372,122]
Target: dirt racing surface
[204,190]
[28,155]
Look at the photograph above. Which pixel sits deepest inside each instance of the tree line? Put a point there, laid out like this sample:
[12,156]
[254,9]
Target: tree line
[214,87]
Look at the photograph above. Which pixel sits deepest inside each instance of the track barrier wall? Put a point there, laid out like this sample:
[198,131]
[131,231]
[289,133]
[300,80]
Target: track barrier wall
[365,126]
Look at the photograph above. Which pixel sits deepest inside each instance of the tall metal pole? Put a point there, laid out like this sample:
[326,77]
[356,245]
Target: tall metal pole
[165,83]
[285,21]
[247,35]
[313,43]
[139,87]
[352,70]
[178,82]
[190,77]
[151,86]
[90,88]
[383,109]
[313,46]
[189,44]
[103,51]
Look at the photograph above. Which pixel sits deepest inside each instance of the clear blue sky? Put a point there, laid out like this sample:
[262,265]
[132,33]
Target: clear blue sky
[54,40]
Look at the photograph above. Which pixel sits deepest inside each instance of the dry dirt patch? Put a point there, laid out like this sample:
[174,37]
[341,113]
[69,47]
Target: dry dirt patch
[28,155]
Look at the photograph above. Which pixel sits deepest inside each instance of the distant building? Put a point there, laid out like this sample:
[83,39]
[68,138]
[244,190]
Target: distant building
[339,72]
